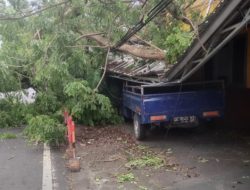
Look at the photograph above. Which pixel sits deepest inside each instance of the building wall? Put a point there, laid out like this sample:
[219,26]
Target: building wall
[233,64]
[248,60]
[223,63]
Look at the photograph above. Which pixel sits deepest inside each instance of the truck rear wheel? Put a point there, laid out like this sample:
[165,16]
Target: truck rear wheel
[139,129]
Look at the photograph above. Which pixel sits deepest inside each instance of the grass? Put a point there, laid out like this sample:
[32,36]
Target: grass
[7,136]
[144,161]
[125,177]
[141,147]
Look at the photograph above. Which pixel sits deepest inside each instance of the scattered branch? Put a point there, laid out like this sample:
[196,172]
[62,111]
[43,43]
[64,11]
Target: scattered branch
[37,35]
[111,160]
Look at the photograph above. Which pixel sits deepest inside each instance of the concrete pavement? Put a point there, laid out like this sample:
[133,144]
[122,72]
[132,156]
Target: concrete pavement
[220,156]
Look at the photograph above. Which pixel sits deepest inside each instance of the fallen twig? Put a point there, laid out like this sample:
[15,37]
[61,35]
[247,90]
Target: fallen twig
[111,160]
[11,157]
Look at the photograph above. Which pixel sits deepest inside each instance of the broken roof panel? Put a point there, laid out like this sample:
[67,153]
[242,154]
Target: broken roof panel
[129,66]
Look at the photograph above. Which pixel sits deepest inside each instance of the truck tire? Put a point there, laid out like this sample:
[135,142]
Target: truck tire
[139,129]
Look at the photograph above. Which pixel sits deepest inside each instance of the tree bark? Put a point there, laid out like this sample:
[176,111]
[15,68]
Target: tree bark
[145,52]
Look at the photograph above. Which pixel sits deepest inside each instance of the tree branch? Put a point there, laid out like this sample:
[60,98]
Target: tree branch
[31,13]
[88,35]
[148,43]
[84,46]
[196,32]
[104,71]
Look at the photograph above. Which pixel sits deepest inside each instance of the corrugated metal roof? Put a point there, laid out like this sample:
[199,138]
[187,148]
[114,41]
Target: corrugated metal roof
[130,66]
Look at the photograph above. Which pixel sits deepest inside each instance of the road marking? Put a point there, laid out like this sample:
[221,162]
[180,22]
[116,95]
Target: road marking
[47,174]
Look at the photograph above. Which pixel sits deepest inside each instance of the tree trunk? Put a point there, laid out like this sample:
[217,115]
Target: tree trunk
[145,52]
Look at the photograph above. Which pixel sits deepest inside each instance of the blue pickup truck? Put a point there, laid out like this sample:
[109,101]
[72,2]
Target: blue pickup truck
[172,104]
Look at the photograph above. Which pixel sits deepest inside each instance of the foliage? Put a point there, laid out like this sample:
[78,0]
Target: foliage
[5,120]
[44,51]
[13,113]
[7,136]
[125,177]
[178,40]
[88,106]
[43,128]
[144,161]
[46,103]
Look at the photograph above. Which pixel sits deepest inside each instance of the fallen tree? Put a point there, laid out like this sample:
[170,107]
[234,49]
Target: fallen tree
[35,41]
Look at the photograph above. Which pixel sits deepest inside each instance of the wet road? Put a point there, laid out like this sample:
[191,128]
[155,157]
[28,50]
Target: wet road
[22,165]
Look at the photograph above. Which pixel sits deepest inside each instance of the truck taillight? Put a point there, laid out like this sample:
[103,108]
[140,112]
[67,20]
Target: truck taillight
[158,118]
[211,114]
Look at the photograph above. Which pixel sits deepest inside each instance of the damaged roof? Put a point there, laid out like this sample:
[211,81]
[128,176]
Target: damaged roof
[129,66]
[226,21]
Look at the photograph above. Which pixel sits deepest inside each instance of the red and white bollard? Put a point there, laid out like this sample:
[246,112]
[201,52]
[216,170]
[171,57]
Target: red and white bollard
[74,162]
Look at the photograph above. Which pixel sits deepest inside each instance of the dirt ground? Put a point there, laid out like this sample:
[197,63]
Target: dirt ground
[203,158]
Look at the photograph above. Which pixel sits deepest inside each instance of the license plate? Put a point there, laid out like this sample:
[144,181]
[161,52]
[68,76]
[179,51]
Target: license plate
[185,119]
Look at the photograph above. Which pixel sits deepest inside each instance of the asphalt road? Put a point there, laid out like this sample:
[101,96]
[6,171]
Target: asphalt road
[22,167]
